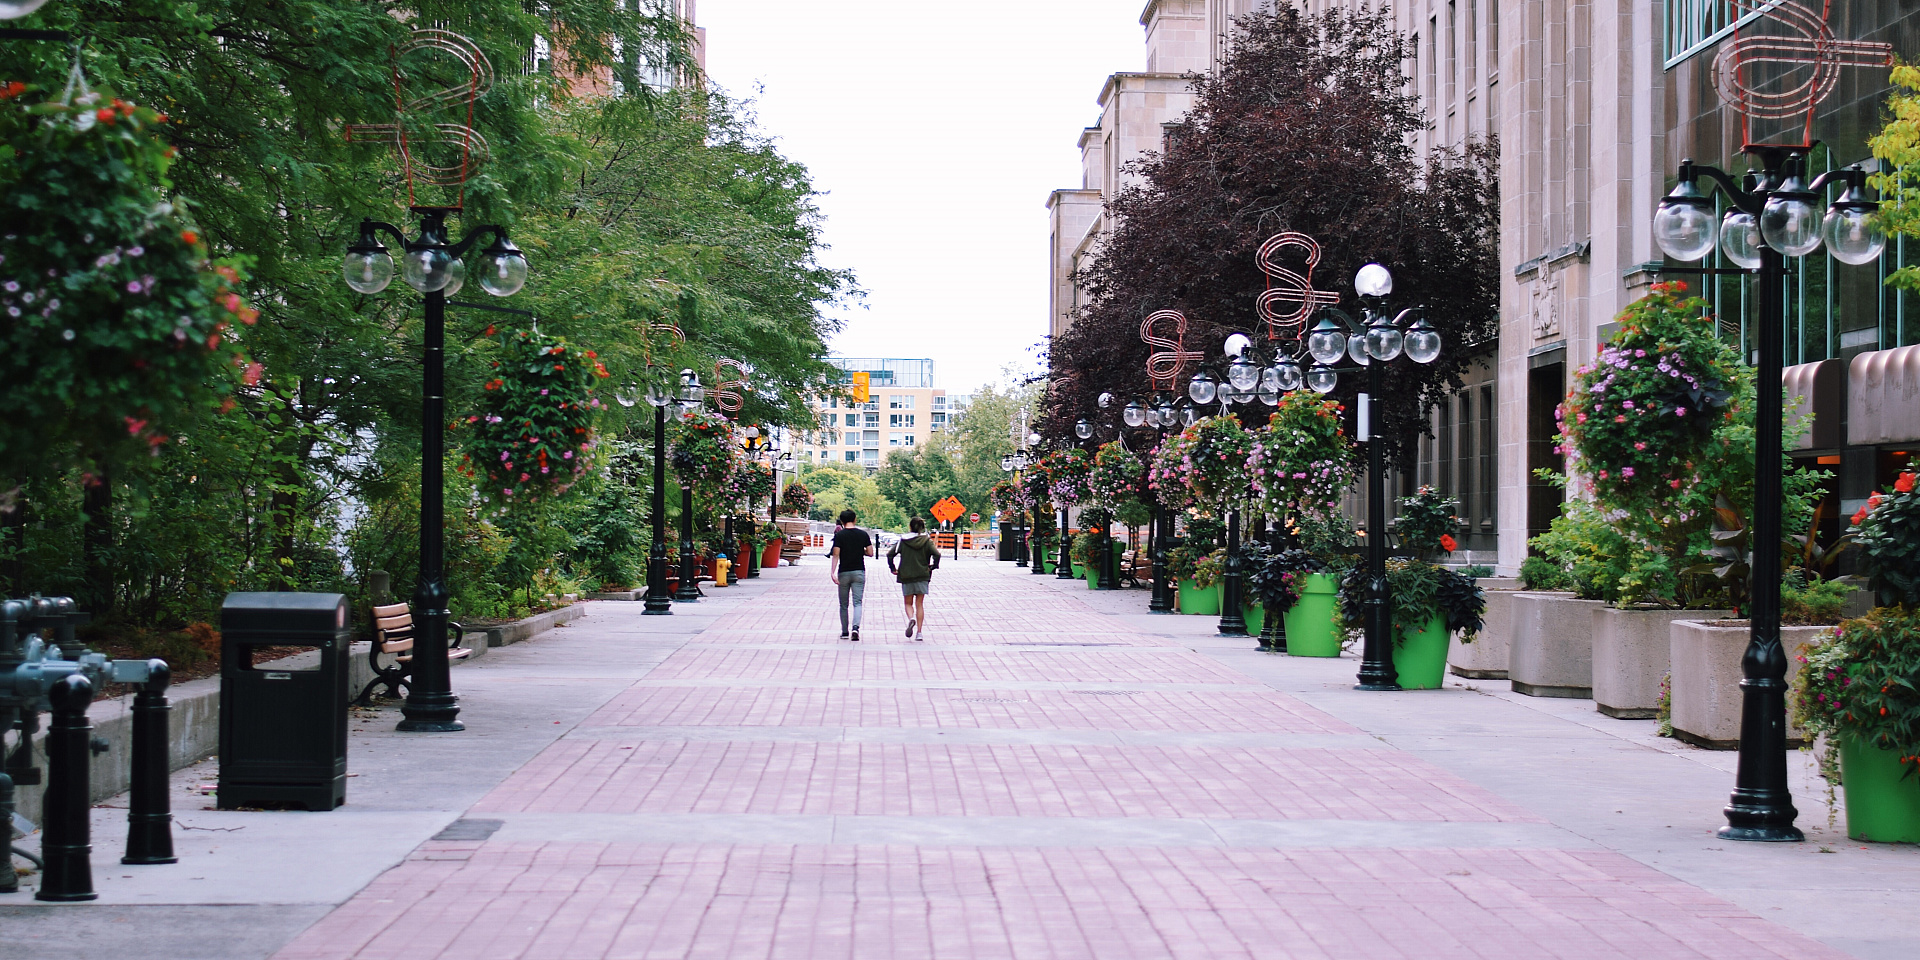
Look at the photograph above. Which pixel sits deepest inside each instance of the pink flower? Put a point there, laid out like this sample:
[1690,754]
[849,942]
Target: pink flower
[1679,411]
[1626,471]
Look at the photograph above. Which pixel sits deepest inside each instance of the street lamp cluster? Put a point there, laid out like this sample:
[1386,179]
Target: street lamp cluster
[1772,214]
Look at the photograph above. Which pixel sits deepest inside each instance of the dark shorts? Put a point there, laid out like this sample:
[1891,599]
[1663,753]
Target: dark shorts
[914,588]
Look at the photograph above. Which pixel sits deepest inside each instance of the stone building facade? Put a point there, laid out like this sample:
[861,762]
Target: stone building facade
[1595,102]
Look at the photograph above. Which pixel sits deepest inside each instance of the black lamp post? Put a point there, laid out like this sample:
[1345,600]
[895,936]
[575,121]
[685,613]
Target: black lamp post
[690,397]
[659,599]
[433,267]
[1775,217]
[1015,464]
[1379,342]
[1161,416]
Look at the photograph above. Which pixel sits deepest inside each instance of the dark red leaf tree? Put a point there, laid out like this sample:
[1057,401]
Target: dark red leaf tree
[1307,126]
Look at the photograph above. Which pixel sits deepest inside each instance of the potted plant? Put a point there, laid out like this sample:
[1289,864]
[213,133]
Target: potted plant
[1295,590]
[1858,690]
[774,540]
[1429,604]
[1704,698]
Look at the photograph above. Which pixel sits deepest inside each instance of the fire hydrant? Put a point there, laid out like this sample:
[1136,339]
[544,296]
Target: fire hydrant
[720,568]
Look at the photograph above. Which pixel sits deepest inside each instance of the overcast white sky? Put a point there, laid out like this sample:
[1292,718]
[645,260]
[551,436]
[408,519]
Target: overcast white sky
[937,130]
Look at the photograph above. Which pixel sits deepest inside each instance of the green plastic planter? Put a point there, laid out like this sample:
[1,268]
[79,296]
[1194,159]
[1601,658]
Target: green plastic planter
[1310,631]
[1421,658]
[1256,618]
[1199,601]
[1883,805]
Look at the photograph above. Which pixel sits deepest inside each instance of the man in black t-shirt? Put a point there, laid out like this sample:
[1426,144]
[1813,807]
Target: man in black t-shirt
[847,568]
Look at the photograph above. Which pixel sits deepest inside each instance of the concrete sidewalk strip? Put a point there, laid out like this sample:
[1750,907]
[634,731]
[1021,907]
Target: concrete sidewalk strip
[1055,774]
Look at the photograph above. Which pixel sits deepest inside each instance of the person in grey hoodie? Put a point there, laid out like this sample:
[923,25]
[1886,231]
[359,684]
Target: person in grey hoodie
[917,558]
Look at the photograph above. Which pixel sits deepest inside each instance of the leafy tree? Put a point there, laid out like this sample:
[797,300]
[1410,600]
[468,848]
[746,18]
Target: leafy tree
[914,480]
[838,487]
[1305,126]
[979,436]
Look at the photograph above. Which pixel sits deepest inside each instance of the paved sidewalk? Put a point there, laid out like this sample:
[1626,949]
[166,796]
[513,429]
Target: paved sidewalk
[1054,773]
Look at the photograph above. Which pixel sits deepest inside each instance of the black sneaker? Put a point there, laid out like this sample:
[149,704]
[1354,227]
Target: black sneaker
[856,634]
[910,624]
[843,636]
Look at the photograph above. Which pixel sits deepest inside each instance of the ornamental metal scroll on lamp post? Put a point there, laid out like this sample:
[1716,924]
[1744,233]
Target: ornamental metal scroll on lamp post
[1379,342]
[432,266]
[1772,218]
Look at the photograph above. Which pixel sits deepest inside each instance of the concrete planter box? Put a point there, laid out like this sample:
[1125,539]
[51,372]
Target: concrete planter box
[1552,650]
[1630,657]
[1486,657]
[1706,678]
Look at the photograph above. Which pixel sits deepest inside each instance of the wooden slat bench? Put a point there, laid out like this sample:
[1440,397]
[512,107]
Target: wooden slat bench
[393,636]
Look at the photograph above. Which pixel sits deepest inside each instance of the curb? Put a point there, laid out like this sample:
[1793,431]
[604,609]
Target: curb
[193,732]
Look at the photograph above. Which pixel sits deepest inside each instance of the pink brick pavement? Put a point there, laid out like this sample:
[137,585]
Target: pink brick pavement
[521,898]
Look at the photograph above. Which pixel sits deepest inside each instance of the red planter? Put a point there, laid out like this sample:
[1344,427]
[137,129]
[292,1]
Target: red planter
[770,554]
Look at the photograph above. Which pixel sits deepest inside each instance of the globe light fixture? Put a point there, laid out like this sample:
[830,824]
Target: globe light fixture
[1373,280]
[1105,401]
[1849,231]
[1134,415]
[368,267]
[1033,439]
[1188,416]
[426,267]
[1288,375]
[1322,378]
[1167,413]
[1083,430]
[456,277]
[1383,339]
[15,9]
[1422,342]
[1202,388]
[1789,222]
[503,268]
[1357,349]
[1006,463]
[1327,342]
[1684,226]
[658,395]
[692,394]
[1740,238]
[1243,374]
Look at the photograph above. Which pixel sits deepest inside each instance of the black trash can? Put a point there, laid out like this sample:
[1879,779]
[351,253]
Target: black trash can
[283,724]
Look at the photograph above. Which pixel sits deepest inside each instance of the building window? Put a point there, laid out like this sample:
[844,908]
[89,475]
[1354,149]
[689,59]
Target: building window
[853,419]
[893,439]
[853,456]
[871,438]
[907,419]
[873,420]
[833,401]
[1695,25]
[908,442]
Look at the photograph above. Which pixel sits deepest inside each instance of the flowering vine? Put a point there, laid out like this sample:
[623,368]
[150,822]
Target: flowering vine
[533,433]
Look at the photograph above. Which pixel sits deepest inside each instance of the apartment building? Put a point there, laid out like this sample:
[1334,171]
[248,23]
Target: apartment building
[903,411]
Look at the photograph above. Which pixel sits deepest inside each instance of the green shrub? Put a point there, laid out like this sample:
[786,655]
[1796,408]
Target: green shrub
[1887,534]
[1539,573]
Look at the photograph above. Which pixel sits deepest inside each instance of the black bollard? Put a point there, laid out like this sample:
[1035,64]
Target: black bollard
[149,812]
[9,881]
[66,837]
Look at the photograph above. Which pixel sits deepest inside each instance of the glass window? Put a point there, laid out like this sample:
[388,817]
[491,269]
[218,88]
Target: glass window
[853,456]
[873,420]
[908,417]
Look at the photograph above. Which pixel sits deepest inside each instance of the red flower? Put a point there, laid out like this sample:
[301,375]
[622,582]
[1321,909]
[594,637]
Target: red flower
[1905,483]
[189,237]
[1447,543]
[1859,515]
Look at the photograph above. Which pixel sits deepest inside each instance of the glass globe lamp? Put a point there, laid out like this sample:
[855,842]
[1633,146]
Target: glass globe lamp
[1243,374]
[1740,238]
[1422,342]
[1105,401]
[1083,430]
[426,269]
[456,277]
[1269,396]
[1188,416]
[1327,341]
[367,269]
[1006,464]
[1289,375]
[1322,378]
[1167,414]
[1202,388]
[503,268]
[691,392]
[1357,349]
[1789,222]
[1849,231]
[1684,226]
[1033,439]
[14,9]
[1373,280]
[1134,415]
[1383,340]
[657,395]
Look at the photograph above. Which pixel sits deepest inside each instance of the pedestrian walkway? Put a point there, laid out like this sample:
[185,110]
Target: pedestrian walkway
[1054,774]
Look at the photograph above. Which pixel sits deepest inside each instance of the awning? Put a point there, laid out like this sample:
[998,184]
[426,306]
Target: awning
[1883,397]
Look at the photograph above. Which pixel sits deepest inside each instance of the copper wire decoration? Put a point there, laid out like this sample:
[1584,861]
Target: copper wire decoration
[1780,97]
[473,147]
[657,329]
[1165,366]
[1290,297]
[729,400]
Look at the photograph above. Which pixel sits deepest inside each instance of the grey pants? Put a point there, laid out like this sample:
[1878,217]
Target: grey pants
[852,583]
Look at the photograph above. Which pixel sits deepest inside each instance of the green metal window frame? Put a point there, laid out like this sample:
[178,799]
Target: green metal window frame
[1695,25]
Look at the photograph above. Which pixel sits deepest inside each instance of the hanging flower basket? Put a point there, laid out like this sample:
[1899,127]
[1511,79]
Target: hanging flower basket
[1204,467]
[113,315]
[1116,476]
[703,452]
[1065,474]
[533,434]
[748,483]
[795,500]
[1302,461]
